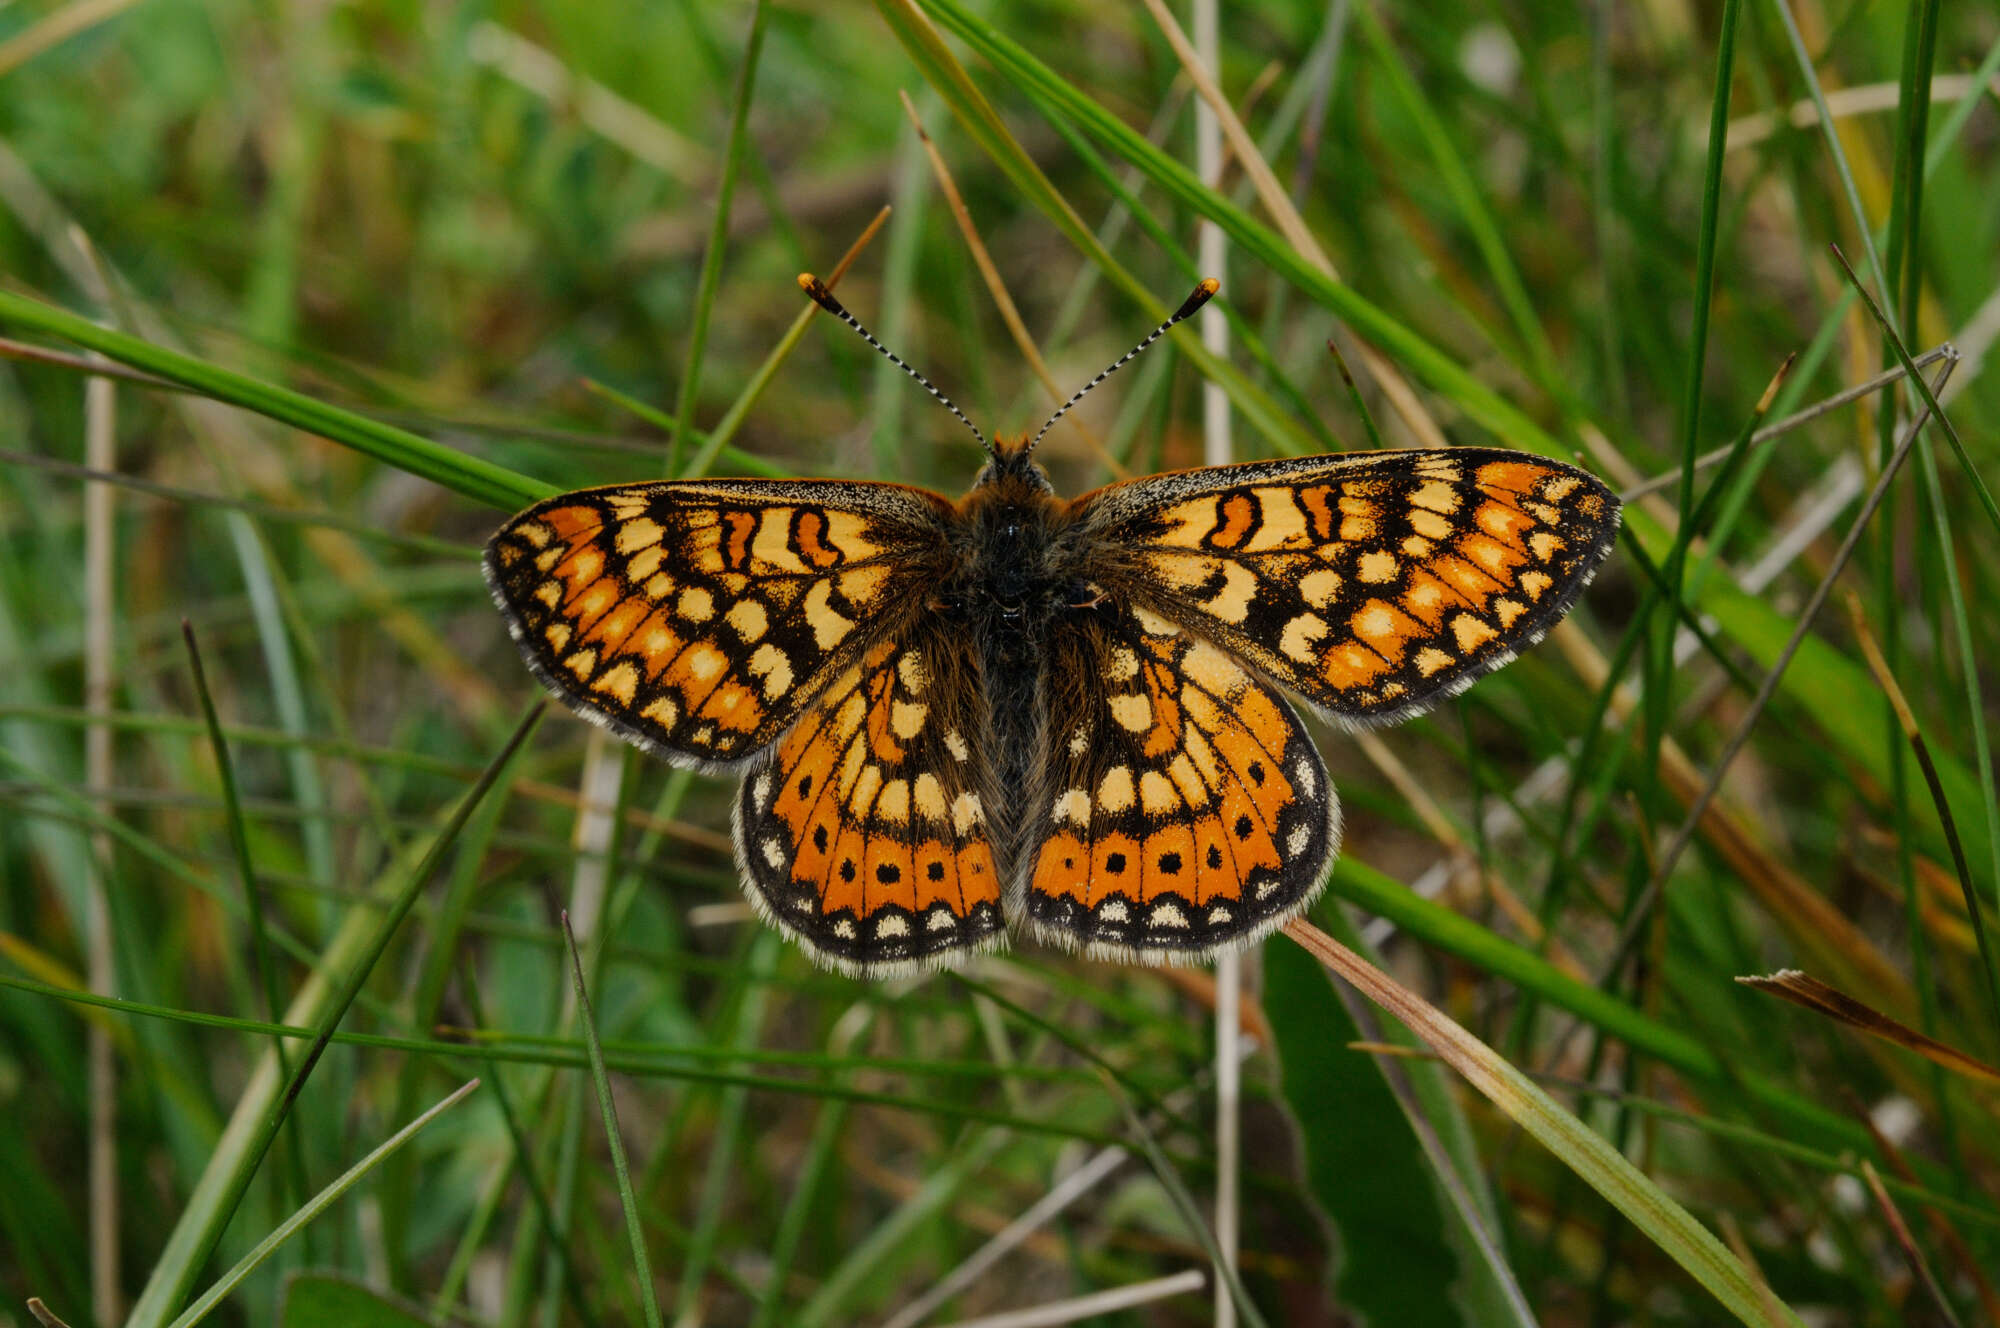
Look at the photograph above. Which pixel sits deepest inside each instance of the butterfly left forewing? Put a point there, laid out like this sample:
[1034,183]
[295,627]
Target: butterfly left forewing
[698,619]
[1371,583]
[1182,810]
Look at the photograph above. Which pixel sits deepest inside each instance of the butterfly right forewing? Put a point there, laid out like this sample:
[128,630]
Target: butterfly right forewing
[1371,583]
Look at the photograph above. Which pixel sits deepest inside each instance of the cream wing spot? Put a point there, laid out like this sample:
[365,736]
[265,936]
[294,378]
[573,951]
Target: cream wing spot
[1156,794]
[1376,567]
[928,796]
[620,682]
[749,619]
[1133,711]
[643,564]
[906,718]
[1319,587]
[695,605]
[705,662]
[1429,524]
[1114,794]
[775,669]
[866,785]
[637,534]
[966,812]
[1436,496]
[1471,632]
[829,626]
[1296,642]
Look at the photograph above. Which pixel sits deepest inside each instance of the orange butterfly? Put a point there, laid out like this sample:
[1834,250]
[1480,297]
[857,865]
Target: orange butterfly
[1019,712]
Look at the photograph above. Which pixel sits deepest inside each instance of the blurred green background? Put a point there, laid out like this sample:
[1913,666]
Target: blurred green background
[561,240]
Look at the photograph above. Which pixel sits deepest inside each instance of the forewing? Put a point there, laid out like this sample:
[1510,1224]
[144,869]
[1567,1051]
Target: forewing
[862,835]
[1184,808]
[1371,583]
[698,619]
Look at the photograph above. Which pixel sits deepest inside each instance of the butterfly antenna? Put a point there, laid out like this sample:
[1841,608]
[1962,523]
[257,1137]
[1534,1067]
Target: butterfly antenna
[821,296]
[1197,298]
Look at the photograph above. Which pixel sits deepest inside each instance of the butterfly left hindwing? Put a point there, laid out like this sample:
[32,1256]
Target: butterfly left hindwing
[863,834]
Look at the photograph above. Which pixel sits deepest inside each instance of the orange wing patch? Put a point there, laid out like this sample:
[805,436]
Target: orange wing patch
[1184,811]
[1371,583]
[698,619]
[863,834]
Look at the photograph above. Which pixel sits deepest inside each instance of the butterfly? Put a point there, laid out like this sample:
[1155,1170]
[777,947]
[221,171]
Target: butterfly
[1017,713]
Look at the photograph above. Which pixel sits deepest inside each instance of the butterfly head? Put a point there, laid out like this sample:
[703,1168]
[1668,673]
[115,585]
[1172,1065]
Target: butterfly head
[1013,466]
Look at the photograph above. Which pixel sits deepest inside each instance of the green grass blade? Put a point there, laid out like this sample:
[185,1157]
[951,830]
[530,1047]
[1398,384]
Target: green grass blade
[241,1150]
[944,73]
[1668,1225]
[470,476]
[641,1266]
[1363,1165]
[718,238]
[1441,370]
[319,1203]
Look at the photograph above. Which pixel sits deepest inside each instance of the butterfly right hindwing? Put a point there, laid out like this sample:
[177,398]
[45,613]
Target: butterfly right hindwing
[1183,808]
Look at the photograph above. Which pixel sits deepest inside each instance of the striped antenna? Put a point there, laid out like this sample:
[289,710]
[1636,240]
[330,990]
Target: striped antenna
[1197,298]
[821,296]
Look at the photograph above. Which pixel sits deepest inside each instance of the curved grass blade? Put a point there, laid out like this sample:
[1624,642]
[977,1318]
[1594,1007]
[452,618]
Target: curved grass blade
[475,478]
[641,1265]
[318,1204]
[241,1150]
[1668,1225]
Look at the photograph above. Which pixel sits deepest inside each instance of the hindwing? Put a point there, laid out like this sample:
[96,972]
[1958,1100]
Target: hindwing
[1183,808]
[698,619]
[1371,583]
[863,834]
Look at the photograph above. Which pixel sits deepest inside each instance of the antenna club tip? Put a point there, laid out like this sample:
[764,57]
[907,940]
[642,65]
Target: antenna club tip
[807,281]
[1199,296]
